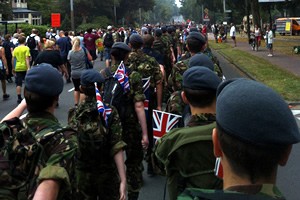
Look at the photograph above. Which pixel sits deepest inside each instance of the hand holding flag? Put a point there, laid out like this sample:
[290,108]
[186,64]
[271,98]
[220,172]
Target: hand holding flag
[122,76]
[101,107]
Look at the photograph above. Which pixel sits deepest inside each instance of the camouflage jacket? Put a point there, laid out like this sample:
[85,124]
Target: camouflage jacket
[249,192]
[175,78]
[187,154]
[146,65]
[111,135]
[201,119]
[59,156]
[162,45]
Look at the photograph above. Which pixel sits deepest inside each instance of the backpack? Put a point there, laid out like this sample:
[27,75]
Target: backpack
[92,135]
[31,43]
[21,155]
[113,93]
[108,40]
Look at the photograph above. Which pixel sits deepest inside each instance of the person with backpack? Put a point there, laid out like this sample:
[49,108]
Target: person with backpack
[9,48]
[108,42]
[133,120]
[41,149]
[196,169]
[100,168]
[254,135]
[33,41]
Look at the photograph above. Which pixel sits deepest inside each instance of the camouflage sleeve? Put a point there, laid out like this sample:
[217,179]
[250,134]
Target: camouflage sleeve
[60,162]
[175,78]
[157,74]
[175,103]
[116,132]
[136,86]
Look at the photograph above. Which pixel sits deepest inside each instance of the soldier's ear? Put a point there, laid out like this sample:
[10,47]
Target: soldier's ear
[184,98]
[217,148]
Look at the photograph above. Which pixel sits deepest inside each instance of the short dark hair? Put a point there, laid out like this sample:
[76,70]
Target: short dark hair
[136,45]
[194,45]
[89,90]
[21,40]
[36,102]
[148,40]
[200,98]
[250,160]
[119,54]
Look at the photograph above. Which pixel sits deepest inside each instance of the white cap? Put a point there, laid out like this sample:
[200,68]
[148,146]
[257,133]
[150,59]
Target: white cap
[109,27]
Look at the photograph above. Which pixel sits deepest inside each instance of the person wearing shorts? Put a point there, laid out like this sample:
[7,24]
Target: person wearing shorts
[21,55]
[270,41]
[232,33]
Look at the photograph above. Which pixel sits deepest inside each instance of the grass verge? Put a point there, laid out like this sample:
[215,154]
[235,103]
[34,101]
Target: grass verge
[285,83]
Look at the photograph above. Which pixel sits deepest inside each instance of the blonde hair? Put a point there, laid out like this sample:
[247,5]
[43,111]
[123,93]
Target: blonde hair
[49,44]
[76,44]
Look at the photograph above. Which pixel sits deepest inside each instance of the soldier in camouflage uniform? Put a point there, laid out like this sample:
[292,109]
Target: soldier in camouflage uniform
[54,177]
[103,177]
[251,145]
[134,125]
[196,169]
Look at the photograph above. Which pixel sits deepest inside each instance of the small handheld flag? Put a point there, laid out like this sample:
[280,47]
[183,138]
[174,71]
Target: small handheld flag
[122,76]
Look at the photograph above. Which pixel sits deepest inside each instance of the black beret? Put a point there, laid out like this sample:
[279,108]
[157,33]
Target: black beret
[136,38]
[158,32]
[164,29]
[170,29]
[194,29]
[201,59]
[45,80]
[91,76]
[200,78]
[197,36]
[121,45]
[255,114]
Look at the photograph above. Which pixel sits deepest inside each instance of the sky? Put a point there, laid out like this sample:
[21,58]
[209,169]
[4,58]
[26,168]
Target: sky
[178,3]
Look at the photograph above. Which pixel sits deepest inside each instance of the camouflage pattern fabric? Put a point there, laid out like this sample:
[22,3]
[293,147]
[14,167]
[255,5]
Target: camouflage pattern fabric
[97,177]
[132,133]
[250,192]
[187,154]
[57,160]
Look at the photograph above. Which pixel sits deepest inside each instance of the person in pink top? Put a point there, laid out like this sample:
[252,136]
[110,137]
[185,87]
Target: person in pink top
[89,42]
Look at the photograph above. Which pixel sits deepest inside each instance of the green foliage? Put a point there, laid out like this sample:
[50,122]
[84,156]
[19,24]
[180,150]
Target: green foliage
[66,24]
[26,28]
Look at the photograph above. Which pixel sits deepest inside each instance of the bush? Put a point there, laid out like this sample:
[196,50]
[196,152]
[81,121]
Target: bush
[26,28]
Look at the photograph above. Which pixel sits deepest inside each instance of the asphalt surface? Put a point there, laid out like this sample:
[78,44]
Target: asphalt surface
[288,177]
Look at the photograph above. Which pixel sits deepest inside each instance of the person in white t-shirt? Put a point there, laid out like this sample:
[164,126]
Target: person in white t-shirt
[270,41]
[232,33]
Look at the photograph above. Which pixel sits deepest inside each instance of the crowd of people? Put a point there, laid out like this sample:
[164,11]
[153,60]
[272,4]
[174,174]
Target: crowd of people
[100,154]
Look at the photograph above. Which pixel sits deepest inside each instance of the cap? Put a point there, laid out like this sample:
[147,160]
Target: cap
[201,60]
[121,45]
[197,36]
[90,76]
[109,27]
[136,38]
[254,113]
[200,78]
[45,80]
[158,32]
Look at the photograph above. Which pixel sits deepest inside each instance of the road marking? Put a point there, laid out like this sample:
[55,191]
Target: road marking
[71,90]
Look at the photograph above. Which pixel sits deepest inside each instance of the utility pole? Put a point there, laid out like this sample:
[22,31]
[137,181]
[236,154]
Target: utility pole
[115,12]
[72,16]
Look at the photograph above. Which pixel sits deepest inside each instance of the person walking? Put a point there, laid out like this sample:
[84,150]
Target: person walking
[33,41]
[232,33]
[21,55]
[270,41]
[77,58]
[3,70]
[90,42]
[8,47]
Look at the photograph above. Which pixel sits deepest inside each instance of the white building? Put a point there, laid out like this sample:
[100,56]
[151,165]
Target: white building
[22,13]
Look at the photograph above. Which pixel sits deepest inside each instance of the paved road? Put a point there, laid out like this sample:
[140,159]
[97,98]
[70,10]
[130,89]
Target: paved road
[288,178]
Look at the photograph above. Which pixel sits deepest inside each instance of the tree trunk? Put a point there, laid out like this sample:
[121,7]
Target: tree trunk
[255,12]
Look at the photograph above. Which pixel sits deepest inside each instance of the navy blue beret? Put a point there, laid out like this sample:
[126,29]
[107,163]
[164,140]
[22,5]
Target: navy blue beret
[201,59]
[200,78]
[90,76]
[121,45]
[158,32]
[197,36]
[194,29]
[164,29]
[255,114]
[136,38]
[45,80]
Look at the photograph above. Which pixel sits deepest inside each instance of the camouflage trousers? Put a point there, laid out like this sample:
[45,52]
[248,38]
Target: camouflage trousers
[134,158]
[19,194]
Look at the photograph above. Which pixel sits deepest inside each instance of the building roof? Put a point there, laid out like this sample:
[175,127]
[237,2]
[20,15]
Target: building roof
[23,10]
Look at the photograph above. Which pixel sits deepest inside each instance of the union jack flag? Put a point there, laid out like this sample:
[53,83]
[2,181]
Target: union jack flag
[122,76]
[104,110]
[163,122]
[146,85]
